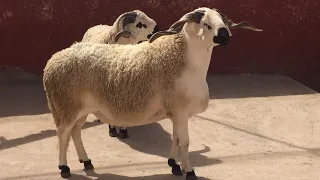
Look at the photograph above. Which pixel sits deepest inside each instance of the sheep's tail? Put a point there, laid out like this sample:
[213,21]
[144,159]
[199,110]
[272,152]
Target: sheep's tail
[57,120]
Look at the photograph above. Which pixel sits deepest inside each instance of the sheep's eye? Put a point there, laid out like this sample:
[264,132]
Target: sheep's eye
[139,25]
[209,27]
[144,25]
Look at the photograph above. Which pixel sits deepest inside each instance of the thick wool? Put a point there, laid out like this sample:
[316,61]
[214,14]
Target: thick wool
[125,77]
[103,34]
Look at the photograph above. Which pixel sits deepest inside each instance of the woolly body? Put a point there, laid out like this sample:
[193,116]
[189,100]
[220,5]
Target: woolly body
[129,84]
[103,34]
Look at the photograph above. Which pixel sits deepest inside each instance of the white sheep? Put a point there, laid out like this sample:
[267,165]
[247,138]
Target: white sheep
[129,28]
[131,85]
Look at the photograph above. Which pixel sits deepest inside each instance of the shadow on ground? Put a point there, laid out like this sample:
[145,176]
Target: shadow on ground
[118,177]
[92,175]
[314,151]
[7,144]
[157,141]
[243,86]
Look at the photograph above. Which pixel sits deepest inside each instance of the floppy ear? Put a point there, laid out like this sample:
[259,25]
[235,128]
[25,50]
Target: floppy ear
[194,16]
[232,25]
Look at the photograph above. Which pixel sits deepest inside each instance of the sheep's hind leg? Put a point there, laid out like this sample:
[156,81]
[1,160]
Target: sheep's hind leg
[63,133]
[123,133]
[112,131]
[181,123]
[176,170]
[77,140]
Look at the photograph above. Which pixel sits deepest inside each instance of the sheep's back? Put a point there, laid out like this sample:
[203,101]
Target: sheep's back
[135,74]
[126,77]
[99,34]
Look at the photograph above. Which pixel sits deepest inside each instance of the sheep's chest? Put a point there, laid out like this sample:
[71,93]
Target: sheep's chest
[196,92]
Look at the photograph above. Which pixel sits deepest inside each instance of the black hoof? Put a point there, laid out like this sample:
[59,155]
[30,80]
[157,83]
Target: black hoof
[176,170]
[65,171]
[113,132]
[191,176]
[87,164]
[123,134]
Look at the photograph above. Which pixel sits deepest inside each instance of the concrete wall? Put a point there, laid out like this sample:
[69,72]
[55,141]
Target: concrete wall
[31,31]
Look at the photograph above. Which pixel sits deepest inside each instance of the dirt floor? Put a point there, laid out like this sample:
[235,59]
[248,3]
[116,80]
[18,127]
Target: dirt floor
[257,128]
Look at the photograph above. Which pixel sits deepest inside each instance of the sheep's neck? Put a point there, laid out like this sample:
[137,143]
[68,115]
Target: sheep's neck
[199,56]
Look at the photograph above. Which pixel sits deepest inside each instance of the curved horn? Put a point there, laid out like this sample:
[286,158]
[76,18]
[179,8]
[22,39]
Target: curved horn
[159,34]
[232,25]
[123,20]
[194,16]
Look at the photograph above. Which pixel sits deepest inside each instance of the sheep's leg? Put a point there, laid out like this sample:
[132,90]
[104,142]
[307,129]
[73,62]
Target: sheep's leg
[63,133]
[181,123]
[176,170]
[123,133]
[76,136]
[112,131]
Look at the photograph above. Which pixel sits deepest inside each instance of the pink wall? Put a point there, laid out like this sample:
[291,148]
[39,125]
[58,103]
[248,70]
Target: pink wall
[31,31]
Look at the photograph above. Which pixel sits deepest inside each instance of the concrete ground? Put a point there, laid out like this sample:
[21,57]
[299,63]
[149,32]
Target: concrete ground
[257,128]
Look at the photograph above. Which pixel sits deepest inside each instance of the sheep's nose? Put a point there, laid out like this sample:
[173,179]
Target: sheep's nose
[223,37]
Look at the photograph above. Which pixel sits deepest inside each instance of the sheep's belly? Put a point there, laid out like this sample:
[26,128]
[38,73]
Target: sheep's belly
[131,119]
[139,121]
[154,112]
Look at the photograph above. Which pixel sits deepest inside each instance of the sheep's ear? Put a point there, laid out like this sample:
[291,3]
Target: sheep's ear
[125,34]
[245,25]
[232,25]
[194,16]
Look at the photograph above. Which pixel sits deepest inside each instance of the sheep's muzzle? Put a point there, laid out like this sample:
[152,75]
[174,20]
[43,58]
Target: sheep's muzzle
[222,38]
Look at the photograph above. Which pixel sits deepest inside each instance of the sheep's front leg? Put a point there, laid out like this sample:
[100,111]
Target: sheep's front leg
[77,140]
[176,170]
[181,126]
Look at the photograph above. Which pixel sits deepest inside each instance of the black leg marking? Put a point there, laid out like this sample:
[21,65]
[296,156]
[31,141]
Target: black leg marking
[123,134]
[65,171]
[113,131]
[191,176]
[87,164]
[176,170]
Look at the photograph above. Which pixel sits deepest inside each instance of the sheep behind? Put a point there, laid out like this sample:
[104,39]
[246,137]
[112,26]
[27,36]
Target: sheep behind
[129,28]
